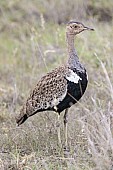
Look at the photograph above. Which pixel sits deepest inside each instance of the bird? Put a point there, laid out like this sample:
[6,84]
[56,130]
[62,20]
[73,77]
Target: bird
[62,87]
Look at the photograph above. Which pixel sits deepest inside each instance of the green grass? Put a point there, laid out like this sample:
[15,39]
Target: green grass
[27,52]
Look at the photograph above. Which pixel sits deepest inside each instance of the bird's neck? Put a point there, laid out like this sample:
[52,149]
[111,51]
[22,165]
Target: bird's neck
[70,43]
[73,60]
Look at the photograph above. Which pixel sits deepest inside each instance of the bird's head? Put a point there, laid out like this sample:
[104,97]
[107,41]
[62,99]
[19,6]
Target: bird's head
[74,28]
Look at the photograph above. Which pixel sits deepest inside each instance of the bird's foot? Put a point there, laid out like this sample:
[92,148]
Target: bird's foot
[66,151]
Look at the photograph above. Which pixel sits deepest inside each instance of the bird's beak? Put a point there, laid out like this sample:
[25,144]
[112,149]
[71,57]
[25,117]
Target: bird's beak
[87,28]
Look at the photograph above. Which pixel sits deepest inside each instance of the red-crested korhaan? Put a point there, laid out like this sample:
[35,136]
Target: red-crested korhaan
[59,89]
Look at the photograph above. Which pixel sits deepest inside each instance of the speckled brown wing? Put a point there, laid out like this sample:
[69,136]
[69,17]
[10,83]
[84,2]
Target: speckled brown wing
[47,94]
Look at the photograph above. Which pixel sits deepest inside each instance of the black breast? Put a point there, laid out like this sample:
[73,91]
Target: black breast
[74,92]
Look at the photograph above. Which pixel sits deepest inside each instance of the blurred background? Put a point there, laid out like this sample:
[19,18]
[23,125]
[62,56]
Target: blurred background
[32,42]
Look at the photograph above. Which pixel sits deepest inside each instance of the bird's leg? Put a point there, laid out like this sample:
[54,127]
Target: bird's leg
[65,126]
[58,130]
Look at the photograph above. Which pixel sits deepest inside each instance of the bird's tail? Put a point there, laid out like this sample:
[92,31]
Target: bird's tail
[21,118]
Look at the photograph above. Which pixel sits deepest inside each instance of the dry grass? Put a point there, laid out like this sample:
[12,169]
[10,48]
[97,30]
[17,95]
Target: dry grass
[28,52]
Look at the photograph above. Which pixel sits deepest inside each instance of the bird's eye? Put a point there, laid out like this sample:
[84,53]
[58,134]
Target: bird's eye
[75,26]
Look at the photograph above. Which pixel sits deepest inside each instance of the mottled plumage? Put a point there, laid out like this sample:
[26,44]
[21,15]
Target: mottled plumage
[48,93]
[62,87]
